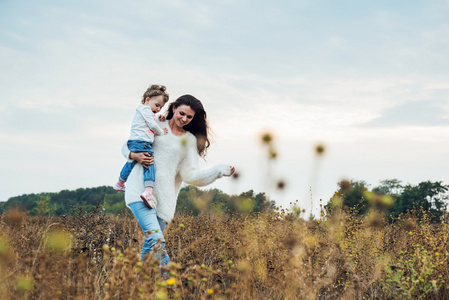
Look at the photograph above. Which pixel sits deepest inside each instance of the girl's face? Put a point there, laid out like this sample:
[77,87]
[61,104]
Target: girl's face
[156,103]
[182,115]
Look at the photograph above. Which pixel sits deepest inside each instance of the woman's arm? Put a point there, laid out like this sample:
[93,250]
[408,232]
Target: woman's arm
[126,152]
[191,174]
[143,158]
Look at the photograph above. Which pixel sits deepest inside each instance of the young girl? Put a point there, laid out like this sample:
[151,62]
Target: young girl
[143,129]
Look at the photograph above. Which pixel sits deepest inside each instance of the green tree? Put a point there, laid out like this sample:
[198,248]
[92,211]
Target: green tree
[190,198]
[61,203]
[352,194]
[44,207]
[430,196]
[194,200]
[391,187]
[186,199]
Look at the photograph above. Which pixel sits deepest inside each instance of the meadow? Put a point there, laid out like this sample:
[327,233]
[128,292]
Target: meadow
[270,255]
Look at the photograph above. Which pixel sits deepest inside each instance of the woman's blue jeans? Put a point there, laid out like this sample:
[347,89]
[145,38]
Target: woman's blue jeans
[149,221]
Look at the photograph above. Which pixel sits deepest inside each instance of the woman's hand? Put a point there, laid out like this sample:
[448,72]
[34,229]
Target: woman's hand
[227,170]
[143,158]
[232,170]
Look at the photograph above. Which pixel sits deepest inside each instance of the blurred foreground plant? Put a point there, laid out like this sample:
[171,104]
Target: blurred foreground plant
[261,256]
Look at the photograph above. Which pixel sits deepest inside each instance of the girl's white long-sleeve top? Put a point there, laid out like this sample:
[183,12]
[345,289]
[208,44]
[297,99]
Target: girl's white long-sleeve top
[176,161]
[144,125]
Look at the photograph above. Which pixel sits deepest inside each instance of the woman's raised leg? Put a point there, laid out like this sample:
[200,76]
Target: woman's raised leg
[150,222]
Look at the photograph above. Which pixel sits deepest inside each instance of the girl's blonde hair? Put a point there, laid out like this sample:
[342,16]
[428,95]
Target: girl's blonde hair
[155,90]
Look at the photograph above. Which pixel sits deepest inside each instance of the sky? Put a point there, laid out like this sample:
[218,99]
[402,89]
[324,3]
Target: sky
[369,80]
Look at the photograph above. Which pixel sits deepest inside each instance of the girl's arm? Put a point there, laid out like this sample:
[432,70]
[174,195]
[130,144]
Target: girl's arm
[191,174]
[148,115]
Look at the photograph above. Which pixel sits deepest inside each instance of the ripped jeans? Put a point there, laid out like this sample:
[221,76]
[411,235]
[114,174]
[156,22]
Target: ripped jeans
[148,220]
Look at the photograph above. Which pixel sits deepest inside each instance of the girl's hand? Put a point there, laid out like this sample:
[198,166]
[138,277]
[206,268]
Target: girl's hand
[162,118]
[143,158]
[165,130]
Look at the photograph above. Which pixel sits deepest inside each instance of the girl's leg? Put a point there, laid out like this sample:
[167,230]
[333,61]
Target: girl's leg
[124,173]
[149,221]
[126,170]
[149,176]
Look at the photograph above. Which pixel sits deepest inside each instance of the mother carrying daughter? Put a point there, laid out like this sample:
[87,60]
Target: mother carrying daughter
[176,157]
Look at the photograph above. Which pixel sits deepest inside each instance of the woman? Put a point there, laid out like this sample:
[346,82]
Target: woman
[176,157]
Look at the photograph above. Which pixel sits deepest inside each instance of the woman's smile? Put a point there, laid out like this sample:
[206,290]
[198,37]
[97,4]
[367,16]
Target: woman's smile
[183,115]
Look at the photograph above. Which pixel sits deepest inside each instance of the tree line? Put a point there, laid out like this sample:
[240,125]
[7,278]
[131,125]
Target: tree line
[190,199]
[393,197]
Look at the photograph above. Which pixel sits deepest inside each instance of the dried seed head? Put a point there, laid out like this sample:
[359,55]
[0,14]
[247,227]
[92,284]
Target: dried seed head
[5,249]
[320,149]
[291,241]
[281,184]
[378,200]
[337,201]
[409,225]
[376,220]
[59,241]
[345,185]
[14,217]
[266,138]
[24,283]
[184,142]
[244,266]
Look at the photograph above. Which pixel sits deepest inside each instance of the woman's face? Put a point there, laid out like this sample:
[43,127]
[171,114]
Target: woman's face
[182,115]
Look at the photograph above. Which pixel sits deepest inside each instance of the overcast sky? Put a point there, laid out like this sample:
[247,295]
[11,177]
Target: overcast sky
[368,79]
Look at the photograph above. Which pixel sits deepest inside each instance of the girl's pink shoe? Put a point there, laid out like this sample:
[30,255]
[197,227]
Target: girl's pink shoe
[147,200]
[119,188]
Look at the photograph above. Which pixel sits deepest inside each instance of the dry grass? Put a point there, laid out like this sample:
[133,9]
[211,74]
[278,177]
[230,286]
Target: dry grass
[266,256]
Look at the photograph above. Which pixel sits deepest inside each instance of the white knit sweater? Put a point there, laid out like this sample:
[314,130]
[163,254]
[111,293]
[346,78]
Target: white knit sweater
[176,160]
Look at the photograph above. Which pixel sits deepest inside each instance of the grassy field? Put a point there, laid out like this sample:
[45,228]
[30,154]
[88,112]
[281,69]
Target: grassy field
[273,255]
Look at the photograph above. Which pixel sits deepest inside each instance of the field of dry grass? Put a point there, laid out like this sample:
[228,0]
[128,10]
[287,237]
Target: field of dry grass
[273,255]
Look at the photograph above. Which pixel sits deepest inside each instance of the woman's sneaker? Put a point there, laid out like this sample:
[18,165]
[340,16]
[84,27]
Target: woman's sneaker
[147,200]
[119,188]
